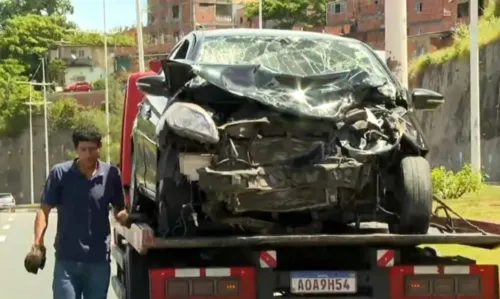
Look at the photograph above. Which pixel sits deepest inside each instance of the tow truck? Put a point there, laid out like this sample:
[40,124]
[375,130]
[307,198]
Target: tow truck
[362,262]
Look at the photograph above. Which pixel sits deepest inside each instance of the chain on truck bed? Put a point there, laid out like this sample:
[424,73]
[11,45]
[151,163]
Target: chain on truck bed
[449,225]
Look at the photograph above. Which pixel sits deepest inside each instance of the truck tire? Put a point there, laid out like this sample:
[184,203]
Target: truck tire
[413,197]
[136,274]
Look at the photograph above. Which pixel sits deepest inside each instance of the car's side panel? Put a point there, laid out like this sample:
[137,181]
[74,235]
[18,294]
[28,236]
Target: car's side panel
[147,123]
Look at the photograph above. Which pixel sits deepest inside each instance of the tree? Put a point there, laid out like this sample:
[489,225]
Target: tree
[97,38]
[317,16]
[27,38]
[284,13]
[11,8]
[13,96]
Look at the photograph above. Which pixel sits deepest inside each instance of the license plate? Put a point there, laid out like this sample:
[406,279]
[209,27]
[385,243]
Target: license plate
[323,282]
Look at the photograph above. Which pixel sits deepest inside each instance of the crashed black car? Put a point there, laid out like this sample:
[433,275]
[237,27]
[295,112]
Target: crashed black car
[275,131]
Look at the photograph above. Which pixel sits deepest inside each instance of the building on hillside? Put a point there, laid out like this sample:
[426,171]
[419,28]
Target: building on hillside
[170,20]
[431,23]
[126,59]
[83,62]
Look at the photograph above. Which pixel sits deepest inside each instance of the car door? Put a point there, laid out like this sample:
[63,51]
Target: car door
[138,157]
[151,110]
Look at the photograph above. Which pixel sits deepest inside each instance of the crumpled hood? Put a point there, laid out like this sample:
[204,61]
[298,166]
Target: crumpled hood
[327,96]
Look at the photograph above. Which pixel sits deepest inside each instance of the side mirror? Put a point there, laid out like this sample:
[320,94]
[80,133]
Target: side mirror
[152,85]
[425,99]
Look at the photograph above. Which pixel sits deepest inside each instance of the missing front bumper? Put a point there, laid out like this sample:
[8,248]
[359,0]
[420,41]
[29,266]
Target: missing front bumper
[283,188]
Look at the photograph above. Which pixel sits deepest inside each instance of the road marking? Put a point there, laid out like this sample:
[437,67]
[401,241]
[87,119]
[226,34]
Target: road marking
[6,227]
[2,238]
[11,218]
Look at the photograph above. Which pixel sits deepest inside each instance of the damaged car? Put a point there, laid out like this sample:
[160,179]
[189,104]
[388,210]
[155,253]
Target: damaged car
[274,131]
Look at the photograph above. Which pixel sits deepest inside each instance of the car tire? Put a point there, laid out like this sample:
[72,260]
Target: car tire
[413,197]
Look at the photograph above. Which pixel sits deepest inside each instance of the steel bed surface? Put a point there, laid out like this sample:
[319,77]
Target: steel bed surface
[141,236]
[486,241]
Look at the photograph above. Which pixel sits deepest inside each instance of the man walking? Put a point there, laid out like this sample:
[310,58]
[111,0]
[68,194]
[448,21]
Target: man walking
[82,191]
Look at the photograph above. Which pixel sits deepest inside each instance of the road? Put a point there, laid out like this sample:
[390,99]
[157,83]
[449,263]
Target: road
[16,237]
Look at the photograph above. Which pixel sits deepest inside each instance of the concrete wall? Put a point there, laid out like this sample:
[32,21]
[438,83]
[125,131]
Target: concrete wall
[448,128]
[15,160]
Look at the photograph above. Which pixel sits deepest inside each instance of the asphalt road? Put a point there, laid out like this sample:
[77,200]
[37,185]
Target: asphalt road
[16,238]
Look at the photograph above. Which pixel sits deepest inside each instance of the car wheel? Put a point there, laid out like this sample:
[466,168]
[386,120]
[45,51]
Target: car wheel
[413,197]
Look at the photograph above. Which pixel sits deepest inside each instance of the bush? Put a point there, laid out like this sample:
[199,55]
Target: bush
[99,84]
[451,185]
[66,113]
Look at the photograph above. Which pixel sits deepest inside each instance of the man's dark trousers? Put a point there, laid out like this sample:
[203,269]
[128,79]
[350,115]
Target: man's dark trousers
[72,280]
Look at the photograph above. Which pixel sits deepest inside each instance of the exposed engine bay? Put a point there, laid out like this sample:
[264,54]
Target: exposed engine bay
[279,145]
[266,169]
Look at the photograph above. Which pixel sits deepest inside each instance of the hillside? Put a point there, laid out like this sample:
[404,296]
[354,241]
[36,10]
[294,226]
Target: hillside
[447,71]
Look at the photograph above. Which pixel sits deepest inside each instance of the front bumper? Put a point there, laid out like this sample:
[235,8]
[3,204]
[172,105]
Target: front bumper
[7,206]
[283,188]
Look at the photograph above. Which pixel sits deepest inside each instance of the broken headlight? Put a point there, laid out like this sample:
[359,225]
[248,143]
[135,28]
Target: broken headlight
[192,121]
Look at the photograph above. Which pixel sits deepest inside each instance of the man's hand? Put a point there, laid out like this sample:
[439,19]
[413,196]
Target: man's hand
[122,218]
[35,259]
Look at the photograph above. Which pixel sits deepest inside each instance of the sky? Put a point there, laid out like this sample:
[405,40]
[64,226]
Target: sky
[88,14]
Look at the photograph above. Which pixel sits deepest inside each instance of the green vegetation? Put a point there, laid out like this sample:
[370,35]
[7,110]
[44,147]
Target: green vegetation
[451,185]
[28,30]
[291,12]
[481,205]
[97,39]
[489,31]
[66,113]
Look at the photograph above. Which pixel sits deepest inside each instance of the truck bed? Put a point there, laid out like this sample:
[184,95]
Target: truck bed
[142,238]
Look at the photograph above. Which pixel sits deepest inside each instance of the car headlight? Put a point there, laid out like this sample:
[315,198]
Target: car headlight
[192,121]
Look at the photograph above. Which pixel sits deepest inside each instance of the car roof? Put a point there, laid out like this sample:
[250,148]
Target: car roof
[269,32]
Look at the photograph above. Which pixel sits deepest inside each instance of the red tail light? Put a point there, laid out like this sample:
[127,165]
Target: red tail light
[203,283]
[444,282]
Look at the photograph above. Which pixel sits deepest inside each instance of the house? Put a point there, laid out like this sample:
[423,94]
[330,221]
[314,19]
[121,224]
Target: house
[431,23]
[83,62]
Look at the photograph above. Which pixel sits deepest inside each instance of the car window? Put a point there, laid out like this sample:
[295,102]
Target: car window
[5,196]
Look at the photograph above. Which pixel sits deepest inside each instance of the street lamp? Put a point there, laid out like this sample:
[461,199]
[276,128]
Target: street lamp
[260,14]
[475,115]
[106,75]
[140,44]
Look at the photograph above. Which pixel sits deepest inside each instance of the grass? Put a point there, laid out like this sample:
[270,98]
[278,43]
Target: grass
[483,205]
[489,31]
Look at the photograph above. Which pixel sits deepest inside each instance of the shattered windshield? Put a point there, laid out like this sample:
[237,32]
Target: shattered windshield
[306,56]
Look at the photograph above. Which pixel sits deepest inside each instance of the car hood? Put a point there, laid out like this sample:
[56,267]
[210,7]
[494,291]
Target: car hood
[325,95]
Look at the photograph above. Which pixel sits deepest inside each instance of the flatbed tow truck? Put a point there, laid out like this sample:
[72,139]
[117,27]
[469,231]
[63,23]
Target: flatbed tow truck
[363,262]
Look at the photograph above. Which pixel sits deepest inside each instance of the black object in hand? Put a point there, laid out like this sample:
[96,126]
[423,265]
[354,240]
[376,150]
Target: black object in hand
[35,259]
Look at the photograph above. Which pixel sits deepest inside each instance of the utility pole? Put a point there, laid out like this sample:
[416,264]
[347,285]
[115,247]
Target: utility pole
[31,104]
[396,43]
[140,43]
[45,114]
[106,83]
[260,14]
[193,14]
[475,108]
[32,179]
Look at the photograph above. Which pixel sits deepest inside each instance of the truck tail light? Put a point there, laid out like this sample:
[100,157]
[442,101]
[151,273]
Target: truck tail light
[445,282]
[203,283]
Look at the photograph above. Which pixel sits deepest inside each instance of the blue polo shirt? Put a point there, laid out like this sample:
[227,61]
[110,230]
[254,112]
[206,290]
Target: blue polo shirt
[83,229]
